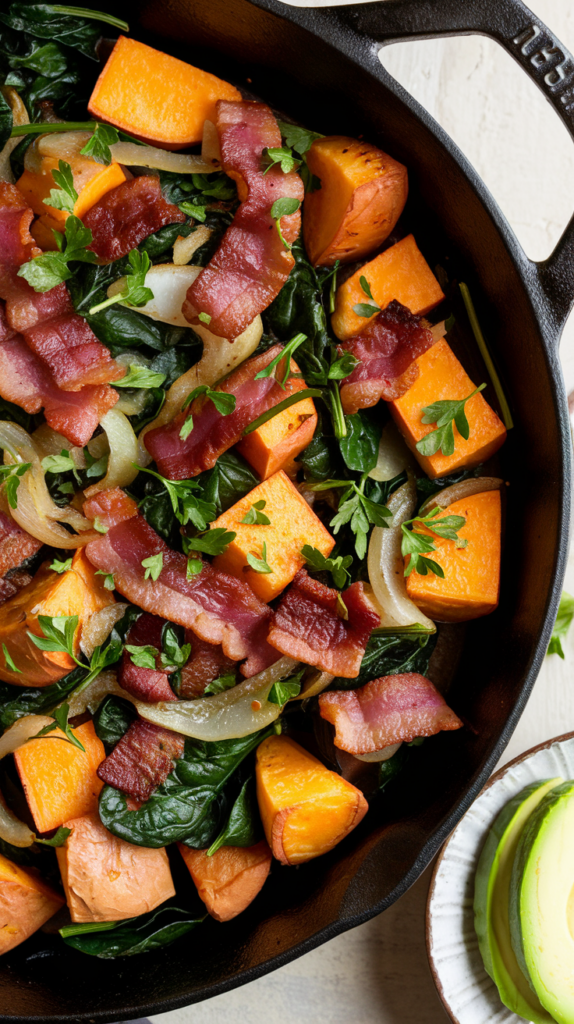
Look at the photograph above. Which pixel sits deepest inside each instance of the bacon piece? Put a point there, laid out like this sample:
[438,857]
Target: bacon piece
[6,332]
[69,348]
[251,264]
[111,507]
[142,760]
[212,432]
[127,214]
[206,662]
[308,625]
[15,544]
[149,685]
[392,709]
[24,381]
[386,349]
[219,608]
[13,584]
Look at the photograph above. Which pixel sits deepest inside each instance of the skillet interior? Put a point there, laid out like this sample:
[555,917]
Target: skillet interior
[457,226]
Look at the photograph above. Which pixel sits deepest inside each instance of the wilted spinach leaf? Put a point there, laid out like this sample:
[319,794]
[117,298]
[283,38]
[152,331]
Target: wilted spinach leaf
[16,702]
[230,479]
[5,121]
[108,939]
[388,770]
[243,826]
[389,655]
[360,447]
[113,718]
[42,21]
[321,460]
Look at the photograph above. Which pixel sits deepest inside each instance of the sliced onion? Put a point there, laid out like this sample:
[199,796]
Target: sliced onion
[36,512]
[464,489]
[47,441]
[19,116]
[237,712]
[132,155]
[14,831]
[386,566]
[210,147]
[393,457]
[63,146]
[90,698]
[123,453]
[184,248]
[438,331]
[316,683]
[99,626]
[219,358]
[379,755]
[169,284]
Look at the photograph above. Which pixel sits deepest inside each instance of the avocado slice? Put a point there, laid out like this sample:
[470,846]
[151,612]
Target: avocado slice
[541,908]
[491,903]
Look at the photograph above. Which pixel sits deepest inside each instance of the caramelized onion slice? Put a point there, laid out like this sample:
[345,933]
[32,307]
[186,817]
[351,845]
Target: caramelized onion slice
[379,755]
[99,626]
[19,116]
[464,489]
[185,247]
[90,698]
[394,456]
[124,452]
[132,155]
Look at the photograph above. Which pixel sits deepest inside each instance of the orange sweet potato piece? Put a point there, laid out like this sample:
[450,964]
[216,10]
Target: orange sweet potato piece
[305,808]
[471,581]
[274,445]
[26,903]
[228,881]
[441,376]
[78,591]
[362,195]
[107,879]
[108,178]
[59,779]
[155,97]
[292,525]
[400,273]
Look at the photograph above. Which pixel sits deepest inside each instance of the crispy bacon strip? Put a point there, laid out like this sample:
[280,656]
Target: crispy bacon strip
[70,350]
[386,349]
[212,432]
[126,215]
[219,608]
[206,662]
[251,264]
[13,584]
[111,507]
[388,710]
[142,760]
[15,544]
[308,625]
[149,685]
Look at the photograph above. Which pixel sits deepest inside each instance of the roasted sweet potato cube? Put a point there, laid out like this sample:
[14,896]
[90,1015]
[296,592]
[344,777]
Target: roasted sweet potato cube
[400,273]
[276,444]
[230,879]
[361,197]
[292,525]
[26,903]
[471,581]
[107,879]
[59,779]
[305,808]
[441,377]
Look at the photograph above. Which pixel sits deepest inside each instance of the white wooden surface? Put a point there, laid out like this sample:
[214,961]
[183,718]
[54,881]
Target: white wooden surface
[378,973]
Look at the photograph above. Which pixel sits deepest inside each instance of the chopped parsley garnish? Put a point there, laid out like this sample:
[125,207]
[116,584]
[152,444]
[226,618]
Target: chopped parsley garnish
[153,566]
[285,354]
[336,566]
[259,564]
[255,515]
[284,207]
[51,268]
[444,413]
[223,402]
[10,476]
[63,197]
[418,545]
[364,308]
[135,292]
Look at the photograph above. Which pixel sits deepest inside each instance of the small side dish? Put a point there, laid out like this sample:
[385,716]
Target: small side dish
[245,476]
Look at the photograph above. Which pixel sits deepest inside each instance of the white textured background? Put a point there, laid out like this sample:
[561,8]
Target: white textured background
[378,973]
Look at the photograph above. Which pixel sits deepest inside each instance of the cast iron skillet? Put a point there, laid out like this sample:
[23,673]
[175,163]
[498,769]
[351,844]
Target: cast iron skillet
[321,68]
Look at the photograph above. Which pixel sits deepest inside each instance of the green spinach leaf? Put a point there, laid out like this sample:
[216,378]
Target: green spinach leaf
[230,479]
[243,826]
[389,655]
[16,702]
[113,719]
[109,939]
[44,22]
[360,447]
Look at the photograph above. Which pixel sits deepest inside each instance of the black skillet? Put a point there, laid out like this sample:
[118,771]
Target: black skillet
[321,68]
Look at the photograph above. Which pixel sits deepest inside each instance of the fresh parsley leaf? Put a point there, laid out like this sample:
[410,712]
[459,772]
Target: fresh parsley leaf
[284,207]
[336,566]
[8,661]
[285,689]
[444,413]
[220,684]
[281,155]
[95,467]
[153,566]
[187,508]
[51,268]
[140,377]
[58,839]
[98,146]
[195,210]
[418,545]
[63,197]
[194,567]
[204,317]
[60,567]
[62,463]
[214,542]
[297,138]
[363,308]
[143,657]
[108,581]
[224,403]
[259,564]
[342,367]
[255,515]
[60,716]
[10,477]
[135,292]
[285,354]
[562,624]
[357,510]
[173,655]
[58,634]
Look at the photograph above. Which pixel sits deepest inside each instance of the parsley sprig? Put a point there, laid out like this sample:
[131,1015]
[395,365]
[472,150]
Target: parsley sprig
[281,155]
[343,366]
[64,197]
[285,354]
[10,477]
[223,402]
[255,516]
[98,146]
[213,542]
[142,656]
[418,545]
[356,509]
[260,565]
[284,207]
[300,140]
[51,268]
[187,507]
[285,689]
[220,684]
[153,566]
[60,716]
[444,413]
[62,463]
[140,377]
[58,633]
[364,308]
[61,567]
[173,655]
[135,291]
[336,566]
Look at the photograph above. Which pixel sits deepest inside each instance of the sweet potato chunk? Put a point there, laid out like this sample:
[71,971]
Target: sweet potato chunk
[400,273]
[75,592]
[274,445]
[362,195]
[107,879]
[292,525]
[108,178]
[305,808]
[471,581]
[26,903]
[59,780]
[228,881]
[155,97]
[441,376]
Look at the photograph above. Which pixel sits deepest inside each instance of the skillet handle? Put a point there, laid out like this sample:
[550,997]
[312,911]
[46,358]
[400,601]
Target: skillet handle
[549,64]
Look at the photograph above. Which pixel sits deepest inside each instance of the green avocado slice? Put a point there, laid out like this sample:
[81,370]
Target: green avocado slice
[491,903]
[541,910]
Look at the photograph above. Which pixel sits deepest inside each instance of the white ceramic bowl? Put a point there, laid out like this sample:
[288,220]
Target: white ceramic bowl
[468,994]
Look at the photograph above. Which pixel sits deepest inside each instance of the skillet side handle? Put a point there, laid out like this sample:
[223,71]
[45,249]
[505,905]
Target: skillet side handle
[545,60]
